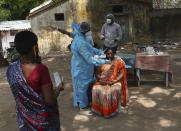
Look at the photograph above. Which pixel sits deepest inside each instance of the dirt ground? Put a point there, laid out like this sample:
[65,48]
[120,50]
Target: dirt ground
[152,107]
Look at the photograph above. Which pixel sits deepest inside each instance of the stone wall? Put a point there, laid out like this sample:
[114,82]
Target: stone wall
[92,11]
[138,17]
[48,39]
[166,24]
[140,21]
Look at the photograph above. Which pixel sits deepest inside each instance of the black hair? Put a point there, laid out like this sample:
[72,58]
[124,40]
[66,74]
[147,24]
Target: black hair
[107,49]
[24,41]
[96,45]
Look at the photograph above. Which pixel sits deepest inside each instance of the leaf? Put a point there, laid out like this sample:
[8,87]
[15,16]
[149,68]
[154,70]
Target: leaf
[17,9]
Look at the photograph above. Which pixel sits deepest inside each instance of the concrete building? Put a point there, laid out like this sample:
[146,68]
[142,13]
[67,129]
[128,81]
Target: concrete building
[132,15]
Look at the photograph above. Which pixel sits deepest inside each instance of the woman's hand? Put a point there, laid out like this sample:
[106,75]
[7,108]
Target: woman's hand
[114,81]
[111,82]
[61,86]
[103,82]
[54,28]
[106,82]
[58,89]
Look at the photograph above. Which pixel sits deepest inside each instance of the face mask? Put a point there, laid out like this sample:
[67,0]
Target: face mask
[88,33]
[108,21]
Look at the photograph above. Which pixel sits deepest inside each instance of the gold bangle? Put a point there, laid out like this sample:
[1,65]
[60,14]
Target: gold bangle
[57,92]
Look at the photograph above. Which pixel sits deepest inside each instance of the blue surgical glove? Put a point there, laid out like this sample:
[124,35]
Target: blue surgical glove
[107,62]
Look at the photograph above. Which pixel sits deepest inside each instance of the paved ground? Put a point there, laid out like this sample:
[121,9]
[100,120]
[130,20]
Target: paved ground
[152,106]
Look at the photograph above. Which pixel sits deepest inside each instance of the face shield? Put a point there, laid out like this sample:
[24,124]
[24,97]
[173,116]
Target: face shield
[84,27]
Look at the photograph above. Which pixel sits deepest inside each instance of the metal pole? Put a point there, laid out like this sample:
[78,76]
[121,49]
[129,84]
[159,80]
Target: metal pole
[166,75]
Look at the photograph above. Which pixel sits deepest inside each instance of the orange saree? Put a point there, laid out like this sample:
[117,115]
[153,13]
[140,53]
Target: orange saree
[105,98]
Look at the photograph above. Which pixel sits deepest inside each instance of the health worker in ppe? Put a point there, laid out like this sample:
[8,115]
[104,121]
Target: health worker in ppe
[82,64]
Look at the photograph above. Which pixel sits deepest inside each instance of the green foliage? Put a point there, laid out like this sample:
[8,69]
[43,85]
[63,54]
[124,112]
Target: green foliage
[4,14]
[17,9]
[172,3]
[167,3]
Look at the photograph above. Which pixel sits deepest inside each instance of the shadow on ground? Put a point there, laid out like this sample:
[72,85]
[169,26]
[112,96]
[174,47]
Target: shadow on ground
[152,106]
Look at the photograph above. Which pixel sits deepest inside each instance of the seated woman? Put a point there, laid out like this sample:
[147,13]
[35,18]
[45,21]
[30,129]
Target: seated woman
[111,86]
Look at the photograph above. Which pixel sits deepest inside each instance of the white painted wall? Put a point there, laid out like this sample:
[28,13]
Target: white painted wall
[6,39]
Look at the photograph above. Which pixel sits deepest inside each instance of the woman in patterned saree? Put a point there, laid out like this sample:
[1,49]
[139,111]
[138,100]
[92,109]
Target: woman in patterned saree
[110,88]
[30,83]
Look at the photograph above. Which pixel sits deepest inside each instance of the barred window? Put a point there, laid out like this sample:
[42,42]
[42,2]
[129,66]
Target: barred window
[117,9]
[59,16]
